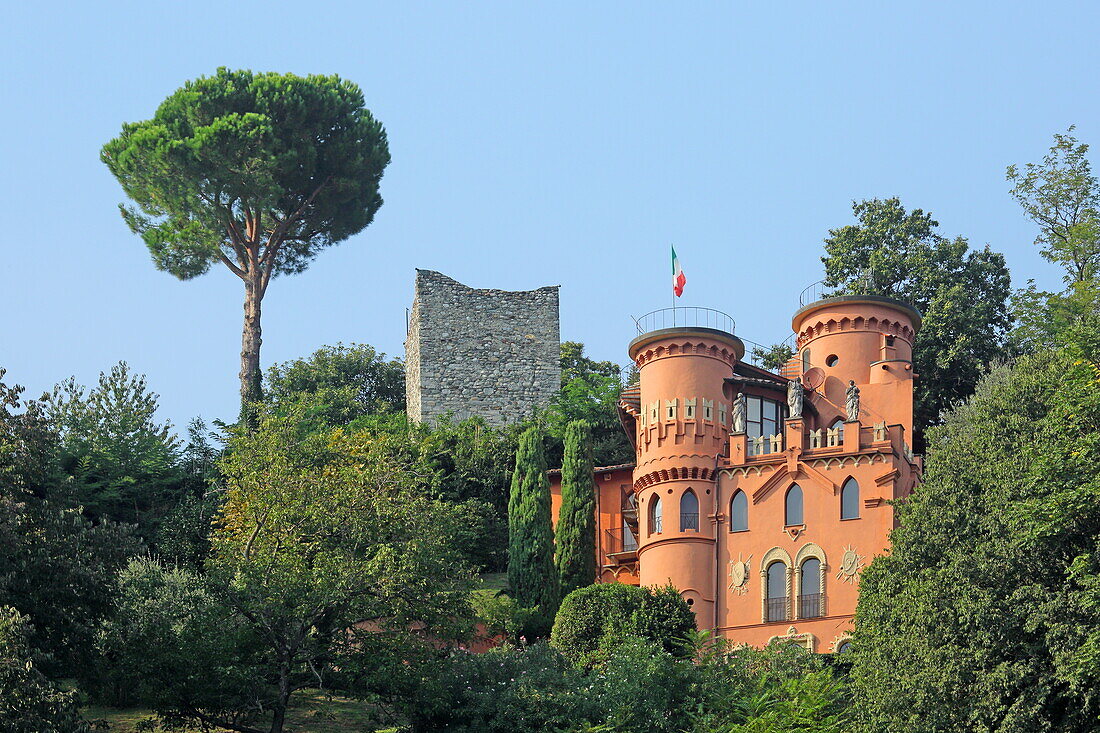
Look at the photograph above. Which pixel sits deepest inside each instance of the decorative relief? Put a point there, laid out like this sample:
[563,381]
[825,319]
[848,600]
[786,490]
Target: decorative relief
[850,565]
[794,532]
[805,640]
[739,575]
[835,646]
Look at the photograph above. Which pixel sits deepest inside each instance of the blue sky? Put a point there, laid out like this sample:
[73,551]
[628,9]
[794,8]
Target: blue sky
[558,143]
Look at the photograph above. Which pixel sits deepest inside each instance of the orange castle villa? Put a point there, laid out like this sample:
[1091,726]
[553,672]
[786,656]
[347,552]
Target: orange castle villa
[761,496]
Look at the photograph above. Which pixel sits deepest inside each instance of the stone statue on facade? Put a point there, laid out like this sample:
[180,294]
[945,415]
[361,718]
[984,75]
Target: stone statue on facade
[851,401]
[795,395]
[739,414]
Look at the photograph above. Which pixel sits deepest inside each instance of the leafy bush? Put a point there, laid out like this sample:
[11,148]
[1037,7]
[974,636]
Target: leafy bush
[635,686]
[29,703]
[506,690]
[590,615]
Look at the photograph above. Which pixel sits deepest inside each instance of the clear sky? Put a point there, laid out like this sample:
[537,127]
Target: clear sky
[533,144]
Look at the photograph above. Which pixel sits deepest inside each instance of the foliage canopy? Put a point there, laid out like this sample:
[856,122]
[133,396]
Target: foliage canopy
[961,293]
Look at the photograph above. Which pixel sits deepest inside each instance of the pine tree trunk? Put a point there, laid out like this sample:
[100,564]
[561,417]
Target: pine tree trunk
[250,347]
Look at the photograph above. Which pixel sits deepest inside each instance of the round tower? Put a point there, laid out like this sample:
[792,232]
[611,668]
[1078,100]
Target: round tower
[682,430]
[866,339]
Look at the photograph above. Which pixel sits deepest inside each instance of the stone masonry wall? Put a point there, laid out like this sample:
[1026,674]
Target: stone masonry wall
[479,352]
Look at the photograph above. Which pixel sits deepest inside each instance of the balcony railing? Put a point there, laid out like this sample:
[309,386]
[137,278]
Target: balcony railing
[618,541]
[685,318]
[777,609]
[689,521]
[809,605]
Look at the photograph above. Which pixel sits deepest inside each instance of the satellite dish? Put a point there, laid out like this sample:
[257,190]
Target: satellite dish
[813,378]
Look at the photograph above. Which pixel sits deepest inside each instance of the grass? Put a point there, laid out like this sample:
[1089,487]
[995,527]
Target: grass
[494,581]
[310,712]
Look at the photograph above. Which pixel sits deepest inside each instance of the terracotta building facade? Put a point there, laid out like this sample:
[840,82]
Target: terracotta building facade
[761,496]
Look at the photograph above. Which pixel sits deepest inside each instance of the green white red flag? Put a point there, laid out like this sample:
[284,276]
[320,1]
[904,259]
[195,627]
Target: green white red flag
[678,279]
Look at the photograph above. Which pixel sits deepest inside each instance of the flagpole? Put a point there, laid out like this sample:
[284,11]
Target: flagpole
[673,245]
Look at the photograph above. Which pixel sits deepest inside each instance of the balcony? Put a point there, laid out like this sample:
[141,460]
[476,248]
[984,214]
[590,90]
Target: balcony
[809,605]
[689,521]
[620,546]
[691,317]
[777,609]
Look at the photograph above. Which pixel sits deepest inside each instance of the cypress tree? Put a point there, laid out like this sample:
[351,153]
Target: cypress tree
[576,535]
[532,576]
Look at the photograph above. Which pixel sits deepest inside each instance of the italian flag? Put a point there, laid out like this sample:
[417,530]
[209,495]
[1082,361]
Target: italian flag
[678,279]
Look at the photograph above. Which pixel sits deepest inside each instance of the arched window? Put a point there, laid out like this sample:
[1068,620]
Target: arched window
[689,511]
[739,512]
[809,588]
[777,592]
[794,506]
[844,647]
[849,500]
[655,515]
[838,425]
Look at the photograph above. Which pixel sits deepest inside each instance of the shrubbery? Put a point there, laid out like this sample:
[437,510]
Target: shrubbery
[636,686]
[29,703]
[597,616]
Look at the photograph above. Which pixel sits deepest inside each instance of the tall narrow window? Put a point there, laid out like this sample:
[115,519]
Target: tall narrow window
[689,511]
[849,500]
[739,512]
[655,515]
[809,584]
[777,592]
[794,506]
[764,417]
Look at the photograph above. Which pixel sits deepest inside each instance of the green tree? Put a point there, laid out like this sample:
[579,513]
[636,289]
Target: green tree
[575,538]
[325,560]
[123,463]
[258,172]
[984,615]
[532,576]
[55,566]
[772,357]
[30,702]
[961,293]
[590,392]
[183,535]
[1062,196]
[346,382]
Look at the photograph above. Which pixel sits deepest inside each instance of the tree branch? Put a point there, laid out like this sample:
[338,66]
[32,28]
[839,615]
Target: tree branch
[229,263]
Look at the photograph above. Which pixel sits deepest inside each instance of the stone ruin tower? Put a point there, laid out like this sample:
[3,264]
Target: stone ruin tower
[471,352]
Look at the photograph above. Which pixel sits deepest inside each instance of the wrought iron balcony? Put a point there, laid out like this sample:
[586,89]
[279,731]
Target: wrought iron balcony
[690,317]
[689,521]
[809,605]
[777,609]
[620,544]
